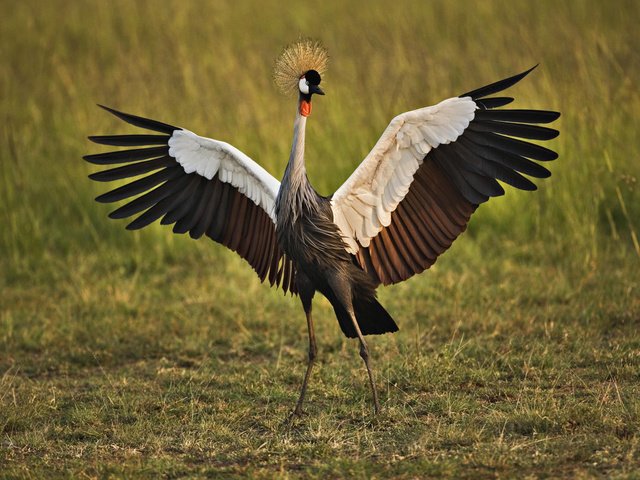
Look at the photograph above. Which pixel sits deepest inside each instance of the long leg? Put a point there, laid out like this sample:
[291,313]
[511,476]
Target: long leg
[306,290]
[313,351]
[342,290]
[364,353]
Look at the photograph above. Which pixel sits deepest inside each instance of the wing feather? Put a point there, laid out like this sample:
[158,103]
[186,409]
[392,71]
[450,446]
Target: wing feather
[133,170]
[428,173]
[201,186]
[129,140]
[139,186]
[160,208]
[186,198]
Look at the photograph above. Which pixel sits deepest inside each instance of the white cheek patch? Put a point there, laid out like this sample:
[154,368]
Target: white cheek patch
[303,85]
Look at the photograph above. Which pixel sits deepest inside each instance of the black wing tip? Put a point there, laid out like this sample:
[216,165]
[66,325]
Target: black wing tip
[498,86]
[119,214]
[99,139]
[540,172]
[96,139]
[521,75]
[553,134]
[489,103]
[109,109]
[121,115]
[133,226]
[92,158]
[141,122]
[555,115]
[101,176]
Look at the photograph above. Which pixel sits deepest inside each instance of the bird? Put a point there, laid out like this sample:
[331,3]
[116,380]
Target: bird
[402,206]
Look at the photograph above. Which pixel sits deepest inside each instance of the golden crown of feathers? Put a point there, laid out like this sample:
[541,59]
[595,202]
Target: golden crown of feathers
[295,60]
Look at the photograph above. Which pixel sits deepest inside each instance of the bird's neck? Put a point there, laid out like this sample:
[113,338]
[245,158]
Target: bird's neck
[296,170]
[296,192]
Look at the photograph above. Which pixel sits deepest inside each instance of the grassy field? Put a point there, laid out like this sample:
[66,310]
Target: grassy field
[147,355]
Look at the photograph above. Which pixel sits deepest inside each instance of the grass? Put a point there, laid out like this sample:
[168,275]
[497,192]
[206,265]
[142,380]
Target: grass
[149,355]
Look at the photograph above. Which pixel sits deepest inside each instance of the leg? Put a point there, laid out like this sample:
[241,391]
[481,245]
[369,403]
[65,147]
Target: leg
[343,292]
[364,353]
[306,290]
[313,351]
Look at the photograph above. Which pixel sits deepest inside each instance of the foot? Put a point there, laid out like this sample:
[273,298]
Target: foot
[296,413]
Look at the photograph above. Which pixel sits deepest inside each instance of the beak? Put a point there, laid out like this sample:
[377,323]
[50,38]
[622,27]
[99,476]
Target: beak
[316,89]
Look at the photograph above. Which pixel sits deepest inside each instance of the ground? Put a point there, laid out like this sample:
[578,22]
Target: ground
[147,355]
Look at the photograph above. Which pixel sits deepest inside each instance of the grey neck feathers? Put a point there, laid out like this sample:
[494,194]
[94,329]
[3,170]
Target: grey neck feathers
[296,193]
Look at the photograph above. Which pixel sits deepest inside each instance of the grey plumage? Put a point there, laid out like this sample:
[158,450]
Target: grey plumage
[307,233]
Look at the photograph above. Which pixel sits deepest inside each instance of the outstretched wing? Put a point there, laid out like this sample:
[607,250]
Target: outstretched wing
[202,186]
[414,193]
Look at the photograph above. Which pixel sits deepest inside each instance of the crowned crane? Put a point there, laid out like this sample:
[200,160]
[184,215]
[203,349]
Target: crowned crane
[402,207]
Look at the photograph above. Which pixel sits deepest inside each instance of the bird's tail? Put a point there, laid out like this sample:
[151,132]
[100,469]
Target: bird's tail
[372,318]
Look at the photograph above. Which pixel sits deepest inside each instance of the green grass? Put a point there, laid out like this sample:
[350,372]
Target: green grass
[150,355]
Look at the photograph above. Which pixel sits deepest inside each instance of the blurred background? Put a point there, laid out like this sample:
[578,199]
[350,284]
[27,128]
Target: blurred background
[78,291]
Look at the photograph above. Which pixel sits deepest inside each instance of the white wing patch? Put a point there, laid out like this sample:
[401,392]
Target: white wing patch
[362,206]
[208,157]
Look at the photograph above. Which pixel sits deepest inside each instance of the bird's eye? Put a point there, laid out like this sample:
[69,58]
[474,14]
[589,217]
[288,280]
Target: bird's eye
[303,85]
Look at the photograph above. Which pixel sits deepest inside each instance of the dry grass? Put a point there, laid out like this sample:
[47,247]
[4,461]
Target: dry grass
[149,355]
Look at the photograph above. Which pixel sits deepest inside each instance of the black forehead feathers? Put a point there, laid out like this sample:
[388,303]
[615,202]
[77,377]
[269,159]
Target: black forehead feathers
[313,77]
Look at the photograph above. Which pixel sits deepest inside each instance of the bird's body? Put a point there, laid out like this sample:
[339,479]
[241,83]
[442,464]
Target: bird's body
[307,234]
[401,208]
[304,225]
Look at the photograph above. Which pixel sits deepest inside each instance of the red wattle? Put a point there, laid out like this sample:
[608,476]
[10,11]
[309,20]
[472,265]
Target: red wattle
[305,108]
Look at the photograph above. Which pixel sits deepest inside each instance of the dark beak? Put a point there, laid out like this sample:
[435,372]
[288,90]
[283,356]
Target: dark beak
[315,89]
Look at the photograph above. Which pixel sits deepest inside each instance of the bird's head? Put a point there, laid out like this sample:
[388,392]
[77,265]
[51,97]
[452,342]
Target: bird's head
[308,84]
[299,67]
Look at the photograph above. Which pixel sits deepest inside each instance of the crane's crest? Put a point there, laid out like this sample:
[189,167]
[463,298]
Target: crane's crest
[297,59]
